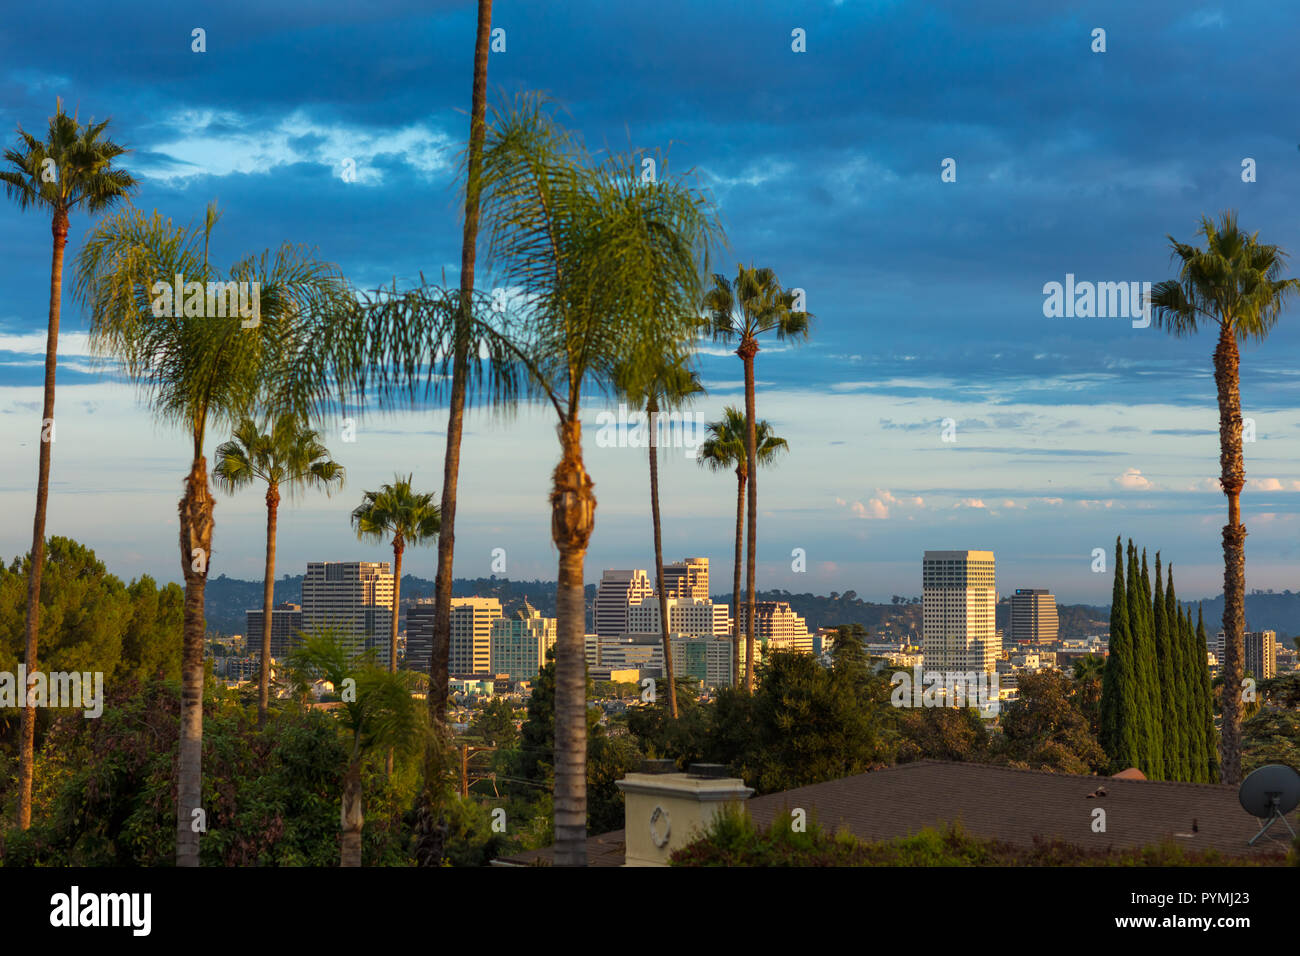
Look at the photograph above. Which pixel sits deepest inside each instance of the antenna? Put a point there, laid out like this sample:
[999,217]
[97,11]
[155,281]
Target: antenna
[1270,793]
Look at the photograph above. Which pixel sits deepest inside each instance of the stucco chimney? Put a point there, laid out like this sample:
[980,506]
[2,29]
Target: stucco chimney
[665,811]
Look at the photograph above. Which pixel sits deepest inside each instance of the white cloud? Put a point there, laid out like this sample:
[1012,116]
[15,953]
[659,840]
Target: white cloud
[1133,480]
[211,143]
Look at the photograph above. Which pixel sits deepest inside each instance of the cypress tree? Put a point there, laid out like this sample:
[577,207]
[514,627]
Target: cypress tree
[1164,685]
[1118,686]
[1182,767]
[1150,669]
[1207,703]
[1196,763]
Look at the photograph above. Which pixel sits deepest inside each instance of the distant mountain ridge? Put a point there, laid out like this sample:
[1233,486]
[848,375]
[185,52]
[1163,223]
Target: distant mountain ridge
[228,598]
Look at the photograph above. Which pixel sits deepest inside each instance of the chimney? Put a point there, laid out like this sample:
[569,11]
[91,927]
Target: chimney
[666,811]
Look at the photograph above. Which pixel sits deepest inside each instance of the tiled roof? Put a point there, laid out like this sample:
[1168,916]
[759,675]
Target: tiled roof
[1002,803]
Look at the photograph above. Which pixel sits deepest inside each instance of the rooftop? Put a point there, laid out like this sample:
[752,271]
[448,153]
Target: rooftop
[1002,803]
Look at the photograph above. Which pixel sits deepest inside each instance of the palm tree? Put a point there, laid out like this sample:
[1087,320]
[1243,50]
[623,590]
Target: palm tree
[672,386]
[71,170]
[287,453]
[462,342]
[196,371]
[755,305]
[1233,283]
[609,270]
[377,714]
[404,516]
[725,450]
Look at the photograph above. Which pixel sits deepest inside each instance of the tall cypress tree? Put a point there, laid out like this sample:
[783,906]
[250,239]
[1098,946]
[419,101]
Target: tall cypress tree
[1178,693]
[1140,709]
[1207,707]
[1198,768]
[1166,678]
[1119,710]
[1149,669]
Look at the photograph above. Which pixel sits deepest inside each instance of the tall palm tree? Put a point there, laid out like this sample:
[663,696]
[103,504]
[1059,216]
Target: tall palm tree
[380,715]
[462,342]
[196,372]
[671,387]
[1233,284]
[725,450]
[404,516]
[285,453]
[72,169]
[609,269]
[754,305]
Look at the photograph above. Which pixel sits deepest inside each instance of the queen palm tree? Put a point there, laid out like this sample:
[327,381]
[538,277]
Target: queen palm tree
[72,169]
[671,387]
[1233,284]
[196,372]
[609,269]
[378,715]
[404,516]
[725,450]
[285,453]
[754,305]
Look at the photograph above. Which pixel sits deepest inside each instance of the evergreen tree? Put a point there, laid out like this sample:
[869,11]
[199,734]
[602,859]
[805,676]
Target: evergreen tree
[1198,770]
[1182,767]
[1151,676]
[1166,677]
[1119,710]
[1145,729]
[1211,752]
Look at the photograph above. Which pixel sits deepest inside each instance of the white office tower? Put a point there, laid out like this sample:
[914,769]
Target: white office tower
[618,591]
[696,616]
[959,601]
[354,600]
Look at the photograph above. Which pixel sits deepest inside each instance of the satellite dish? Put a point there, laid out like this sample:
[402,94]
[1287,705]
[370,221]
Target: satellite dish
[1270,793]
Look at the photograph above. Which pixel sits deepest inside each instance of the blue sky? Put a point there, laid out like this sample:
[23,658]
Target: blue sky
[928,295]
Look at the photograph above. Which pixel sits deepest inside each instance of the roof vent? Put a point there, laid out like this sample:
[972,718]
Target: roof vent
[658,766]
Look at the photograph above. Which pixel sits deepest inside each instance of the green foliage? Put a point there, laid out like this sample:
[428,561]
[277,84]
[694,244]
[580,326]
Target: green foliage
[84,177]
[1045,728]
[494,724]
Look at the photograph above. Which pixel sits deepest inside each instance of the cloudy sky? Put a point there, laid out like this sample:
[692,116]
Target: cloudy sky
[827,166]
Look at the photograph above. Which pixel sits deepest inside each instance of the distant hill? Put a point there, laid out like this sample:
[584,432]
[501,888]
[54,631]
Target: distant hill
[228,599]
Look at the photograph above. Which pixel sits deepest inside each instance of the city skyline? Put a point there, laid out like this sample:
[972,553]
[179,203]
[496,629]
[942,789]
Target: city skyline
[1088,427]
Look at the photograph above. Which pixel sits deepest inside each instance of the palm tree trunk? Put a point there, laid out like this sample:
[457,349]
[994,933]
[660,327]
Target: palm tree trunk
[431,829]
[1233,479]
[735,587]
[398,547]
[573,507]
[748,349]
[196,549]
[351,818]
[27,745]
[268,601]
[652,409]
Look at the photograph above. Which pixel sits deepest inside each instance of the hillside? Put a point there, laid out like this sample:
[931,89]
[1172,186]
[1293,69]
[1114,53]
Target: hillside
[228,599]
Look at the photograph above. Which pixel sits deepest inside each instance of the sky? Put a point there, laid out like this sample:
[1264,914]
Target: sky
[921,170]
